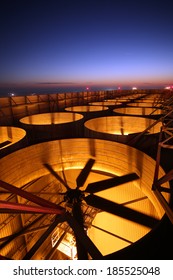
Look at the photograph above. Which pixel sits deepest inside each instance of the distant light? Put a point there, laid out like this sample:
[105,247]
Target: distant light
[87,88]
[134,88]
[168,87]
[11,94]
[119,88]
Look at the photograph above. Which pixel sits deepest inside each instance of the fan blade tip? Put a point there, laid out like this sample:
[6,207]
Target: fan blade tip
[82,177]
[111,182]
[121,211]
[46,165]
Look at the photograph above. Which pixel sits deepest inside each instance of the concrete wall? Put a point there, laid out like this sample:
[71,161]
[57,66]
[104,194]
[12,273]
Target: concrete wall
[13,108]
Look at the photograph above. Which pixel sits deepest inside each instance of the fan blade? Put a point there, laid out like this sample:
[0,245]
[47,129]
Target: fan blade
[56,175]
[84,173]
[64,177]
[119,210]
[110,183]
[84,239]
[29,196]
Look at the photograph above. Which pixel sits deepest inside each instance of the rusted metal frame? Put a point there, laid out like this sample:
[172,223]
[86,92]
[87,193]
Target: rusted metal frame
[40,100]
[162,189]
[157,108]
[27,99]
[28,196]
[167,103]
[84,239]
[136,138]
[165,178]
[157,188]
[158,156]
[44,236]
[157,101]
[23,231]
[169,132]
[168,123]
[167,128]
[12,100]
[12,207]
[164,204]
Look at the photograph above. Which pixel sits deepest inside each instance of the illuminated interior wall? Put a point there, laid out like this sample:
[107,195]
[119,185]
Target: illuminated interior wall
[110,156]
[119,128]
[89,111]
[110,104]
[26,165]
[140,111]
[11,139]
[144,104]
[50,126]
[86,109]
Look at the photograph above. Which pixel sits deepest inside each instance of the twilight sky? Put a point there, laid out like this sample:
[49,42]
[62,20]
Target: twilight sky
[110,43]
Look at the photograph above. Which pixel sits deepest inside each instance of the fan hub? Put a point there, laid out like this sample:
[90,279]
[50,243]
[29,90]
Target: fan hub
[73,196]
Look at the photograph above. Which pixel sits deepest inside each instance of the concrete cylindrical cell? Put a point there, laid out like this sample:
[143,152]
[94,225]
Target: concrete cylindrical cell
[11,139]
[49,126]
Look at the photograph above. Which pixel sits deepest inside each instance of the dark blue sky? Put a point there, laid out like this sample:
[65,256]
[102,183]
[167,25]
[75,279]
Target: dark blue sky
[69,42]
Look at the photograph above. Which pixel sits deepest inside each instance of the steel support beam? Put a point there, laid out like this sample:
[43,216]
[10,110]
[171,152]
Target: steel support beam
[156,172]
[12,207]
[136,138]
[8,239]
[157,188]
[29,196]
[164,204]
[44,236]
[167,177]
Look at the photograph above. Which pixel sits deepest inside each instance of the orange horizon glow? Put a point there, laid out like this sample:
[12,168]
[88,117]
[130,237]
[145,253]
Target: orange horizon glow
[89,84]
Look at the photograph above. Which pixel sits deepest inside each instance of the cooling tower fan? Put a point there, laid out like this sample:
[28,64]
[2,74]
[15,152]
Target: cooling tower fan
[70,210]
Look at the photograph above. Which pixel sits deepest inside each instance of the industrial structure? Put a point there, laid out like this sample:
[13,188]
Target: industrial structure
[86,175]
